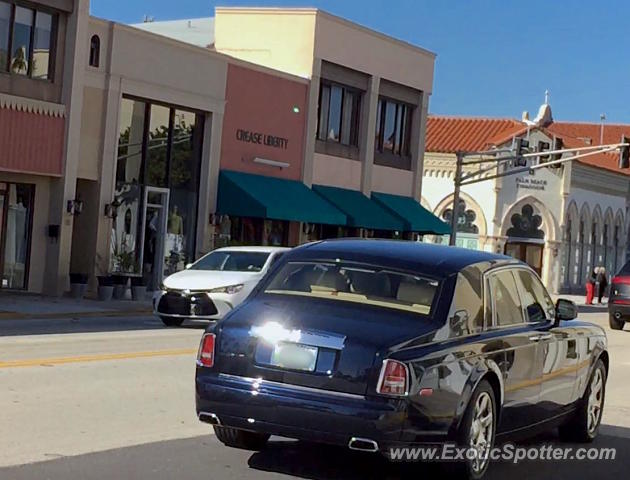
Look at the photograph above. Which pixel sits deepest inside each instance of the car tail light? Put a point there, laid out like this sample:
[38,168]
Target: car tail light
[394,378]
[621,279]
[205,356]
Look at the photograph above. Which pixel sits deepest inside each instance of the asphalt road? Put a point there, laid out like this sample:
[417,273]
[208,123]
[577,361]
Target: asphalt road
[112,398]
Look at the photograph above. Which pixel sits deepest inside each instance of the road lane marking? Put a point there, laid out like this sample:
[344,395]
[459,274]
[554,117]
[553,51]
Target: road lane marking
[35,362]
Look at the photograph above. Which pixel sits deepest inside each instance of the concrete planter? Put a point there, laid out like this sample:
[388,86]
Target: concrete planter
[121,283]
[105,292]
[77,290]
[120,291]
[138,293]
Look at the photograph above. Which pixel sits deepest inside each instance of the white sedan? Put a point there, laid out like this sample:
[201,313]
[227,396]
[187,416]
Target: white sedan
[212,286]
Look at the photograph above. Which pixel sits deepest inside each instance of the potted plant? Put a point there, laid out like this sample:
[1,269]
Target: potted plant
[138,288]
[78,284]
[125,262]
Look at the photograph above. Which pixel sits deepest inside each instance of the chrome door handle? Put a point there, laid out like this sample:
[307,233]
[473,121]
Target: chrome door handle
[544,336]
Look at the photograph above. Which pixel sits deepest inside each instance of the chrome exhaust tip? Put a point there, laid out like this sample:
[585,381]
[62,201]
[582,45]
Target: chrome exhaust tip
[363,445]
[210,418]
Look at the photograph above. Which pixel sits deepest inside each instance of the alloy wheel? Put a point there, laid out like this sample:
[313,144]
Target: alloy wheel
[482,431]
[595,400]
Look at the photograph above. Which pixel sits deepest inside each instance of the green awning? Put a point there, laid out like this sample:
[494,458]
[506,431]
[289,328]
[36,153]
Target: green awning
[362,212]
[248,195]
[415,216]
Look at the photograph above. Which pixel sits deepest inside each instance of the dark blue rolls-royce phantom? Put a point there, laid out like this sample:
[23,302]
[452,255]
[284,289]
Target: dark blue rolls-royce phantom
[376,344]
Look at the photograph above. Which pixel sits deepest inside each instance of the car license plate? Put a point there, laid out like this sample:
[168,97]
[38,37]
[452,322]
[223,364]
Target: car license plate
[294,356]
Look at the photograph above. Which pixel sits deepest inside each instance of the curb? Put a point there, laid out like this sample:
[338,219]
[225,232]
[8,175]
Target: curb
[5,315]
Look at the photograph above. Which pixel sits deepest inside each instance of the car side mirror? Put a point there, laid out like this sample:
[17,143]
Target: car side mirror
[188,265]
[565,310]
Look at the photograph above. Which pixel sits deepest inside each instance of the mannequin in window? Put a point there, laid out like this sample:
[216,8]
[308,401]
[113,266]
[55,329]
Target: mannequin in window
[174,241]
[225,227]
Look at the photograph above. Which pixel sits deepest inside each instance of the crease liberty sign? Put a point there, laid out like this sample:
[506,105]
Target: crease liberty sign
[262,139]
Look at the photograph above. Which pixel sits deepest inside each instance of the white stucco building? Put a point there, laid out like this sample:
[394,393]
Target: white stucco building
[563,221]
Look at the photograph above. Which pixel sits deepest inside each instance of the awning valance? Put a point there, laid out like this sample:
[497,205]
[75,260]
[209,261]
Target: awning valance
[362,211]
[247,195]
[415,216]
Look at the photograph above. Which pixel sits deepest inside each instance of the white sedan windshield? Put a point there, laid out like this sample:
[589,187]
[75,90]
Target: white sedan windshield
[232,261]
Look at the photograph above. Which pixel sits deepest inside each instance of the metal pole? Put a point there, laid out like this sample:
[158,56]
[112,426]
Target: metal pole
[457,181]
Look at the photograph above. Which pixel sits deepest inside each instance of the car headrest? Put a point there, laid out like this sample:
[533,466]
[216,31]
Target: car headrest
[415,293]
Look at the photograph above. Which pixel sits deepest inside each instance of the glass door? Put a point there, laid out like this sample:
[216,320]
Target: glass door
[16,211]
[3,202]
[153,251]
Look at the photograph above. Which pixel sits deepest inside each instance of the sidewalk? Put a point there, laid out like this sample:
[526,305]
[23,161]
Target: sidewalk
[582,307]
[25,305]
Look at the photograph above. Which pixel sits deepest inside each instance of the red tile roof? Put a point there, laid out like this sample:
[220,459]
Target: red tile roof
[452,134]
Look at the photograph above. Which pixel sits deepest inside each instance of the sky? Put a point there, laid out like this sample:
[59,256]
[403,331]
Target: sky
[495,58]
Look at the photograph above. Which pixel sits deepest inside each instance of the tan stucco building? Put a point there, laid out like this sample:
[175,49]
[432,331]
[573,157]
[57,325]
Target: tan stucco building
[145,140]
[40,110]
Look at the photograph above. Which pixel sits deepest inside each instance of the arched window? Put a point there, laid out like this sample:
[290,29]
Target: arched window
[467,225]
[95,51]
[581,241]
[568,240]
[466,218]
[526,224]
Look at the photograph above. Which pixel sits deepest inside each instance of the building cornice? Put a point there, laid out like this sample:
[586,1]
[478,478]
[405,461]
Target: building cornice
[598,180]
[29,105]
[329,16]
[443,165]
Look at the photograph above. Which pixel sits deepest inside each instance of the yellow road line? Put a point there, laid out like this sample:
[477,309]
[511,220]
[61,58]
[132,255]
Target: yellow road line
[34,362]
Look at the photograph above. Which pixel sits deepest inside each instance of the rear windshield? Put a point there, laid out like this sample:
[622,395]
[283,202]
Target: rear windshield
[232,261]
[355,283]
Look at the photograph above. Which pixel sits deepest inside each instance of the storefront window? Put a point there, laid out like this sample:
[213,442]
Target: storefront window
[26,40]
[313,232]
[131,133]
[233,231]
[338,114]
[5,21]
[393,132]
[21,47]
[276,233]
[157,146]
[41,47]
[16,211]
[159,154]
[184,178]
[125,246]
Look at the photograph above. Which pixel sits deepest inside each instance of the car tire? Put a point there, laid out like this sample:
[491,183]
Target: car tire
[615,324]
[468,469]
[583,427]
[235,438]
[172,322]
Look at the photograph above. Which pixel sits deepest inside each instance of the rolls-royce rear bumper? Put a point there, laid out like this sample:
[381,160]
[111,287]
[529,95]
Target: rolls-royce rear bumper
[299,412]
